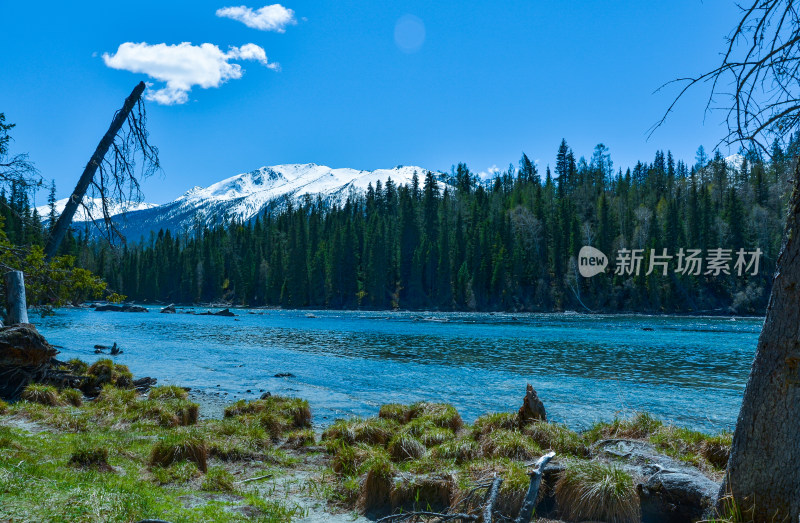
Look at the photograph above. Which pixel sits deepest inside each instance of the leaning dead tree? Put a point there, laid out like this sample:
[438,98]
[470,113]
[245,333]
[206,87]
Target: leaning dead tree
[758,83]
[112,178]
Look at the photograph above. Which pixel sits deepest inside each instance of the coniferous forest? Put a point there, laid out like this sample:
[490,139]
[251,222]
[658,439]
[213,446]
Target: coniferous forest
[455,243]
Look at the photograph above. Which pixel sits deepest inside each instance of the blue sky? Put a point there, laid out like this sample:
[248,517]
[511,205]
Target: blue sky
[489,81]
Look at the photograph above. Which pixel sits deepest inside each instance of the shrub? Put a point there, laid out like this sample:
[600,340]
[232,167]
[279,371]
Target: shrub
[180,446]
[168,392]
[595,491]
[509,444]
[72,396]
[42,394]
[405,447]
[218,480]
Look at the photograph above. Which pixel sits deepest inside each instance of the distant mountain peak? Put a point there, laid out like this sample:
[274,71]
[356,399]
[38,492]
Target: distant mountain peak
[243,196]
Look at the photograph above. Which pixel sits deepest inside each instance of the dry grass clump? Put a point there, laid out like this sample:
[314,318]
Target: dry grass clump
[510,444]
[514,487]
[179,446]
[168,392]
[3,407]
[440,414]
[596,491]
[41,394]
[105,371]
[717,450]
[377,484]
[556,437]
[72,397]
[412,492]
[218,479]
[405,447]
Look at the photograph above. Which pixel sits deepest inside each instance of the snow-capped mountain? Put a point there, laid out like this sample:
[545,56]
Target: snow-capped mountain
[94,207]
[242,197]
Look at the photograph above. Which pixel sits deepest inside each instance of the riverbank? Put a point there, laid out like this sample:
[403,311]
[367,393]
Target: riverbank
[124,456]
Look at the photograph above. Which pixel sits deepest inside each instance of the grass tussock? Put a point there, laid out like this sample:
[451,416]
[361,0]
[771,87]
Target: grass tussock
[640,426]
[217,479]
[88,454]
[42,394]
[442,415]
[557,437]
[395,412]
[301,438]
[3,407]
[596,491]
[694,447]
[373,431]
[412,492]
[496,421]
[509,444]
[458,451]
[179,446]
[405,447]
[72,397]
[105,371]
[169,392]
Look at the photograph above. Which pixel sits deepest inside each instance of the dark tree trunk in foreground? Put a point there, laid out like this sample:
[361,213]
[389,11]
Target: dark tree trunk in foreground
[763,475]
[65,220]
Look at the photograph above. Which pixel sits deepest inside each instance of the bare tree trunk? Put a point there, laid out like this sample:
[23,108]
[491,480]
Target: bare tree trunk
[65,220]
[763,475]
[16,304]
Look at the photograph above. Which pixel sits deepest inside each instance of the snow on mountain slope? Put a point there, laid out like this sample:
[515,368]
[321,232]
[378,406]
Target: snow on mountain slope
[95,210]
[242,197]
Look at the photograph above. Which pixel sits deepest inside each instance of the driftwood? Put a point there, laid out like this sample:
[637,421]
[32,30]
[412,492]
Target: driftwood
[526,512]
[491,498]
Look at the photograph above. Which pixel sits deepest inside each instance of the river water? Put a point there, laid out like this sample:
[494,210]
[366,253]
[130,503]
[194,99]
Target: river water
[686,370]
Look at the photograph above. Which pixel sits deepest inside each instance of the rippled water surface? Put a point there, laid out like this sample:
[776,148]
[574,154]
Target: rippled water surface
[687,370]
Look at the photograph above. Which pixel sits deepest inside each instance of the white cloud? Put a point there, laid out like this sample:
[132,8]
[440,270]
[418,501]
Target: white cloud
[273,17]
[489,173]
[183,66]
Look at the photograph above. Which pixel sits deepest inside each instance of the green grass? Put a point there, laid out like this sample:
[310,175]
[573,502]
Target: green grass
[596,491]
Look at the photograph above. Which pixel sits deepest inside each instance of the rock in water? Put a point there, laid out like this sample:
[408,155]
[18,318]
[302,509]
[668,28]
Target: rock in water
[169,309]
[24,356]
[532,408]
[224,312]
